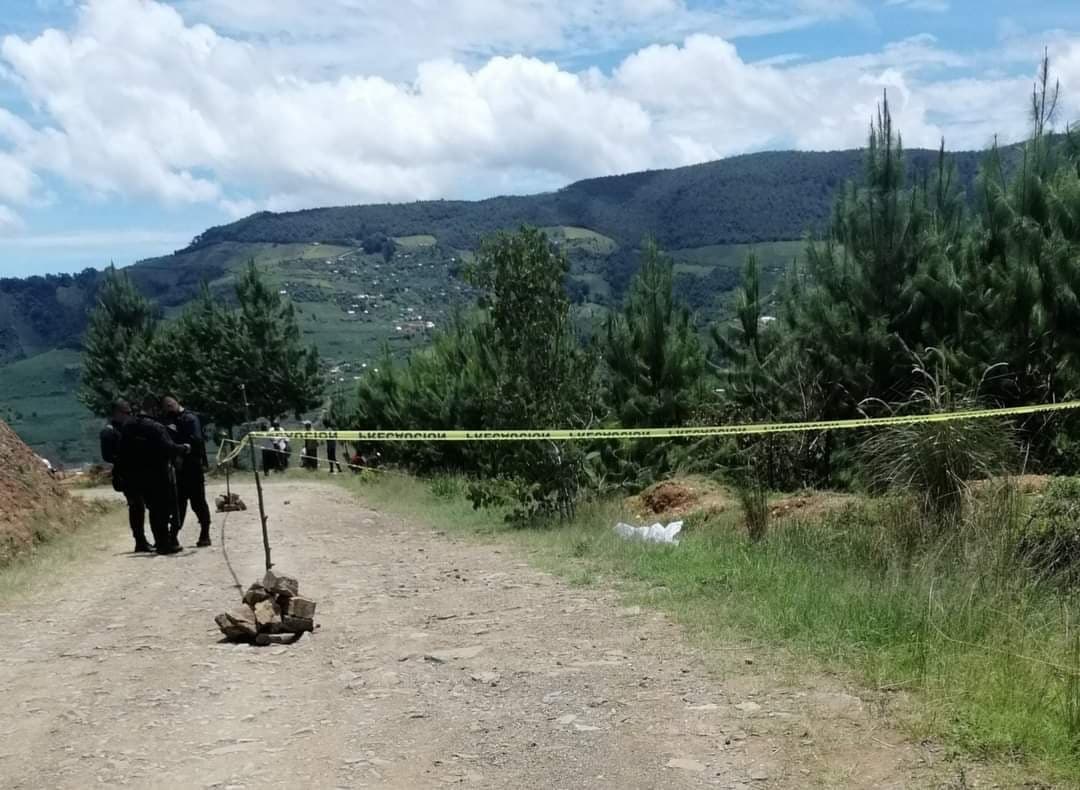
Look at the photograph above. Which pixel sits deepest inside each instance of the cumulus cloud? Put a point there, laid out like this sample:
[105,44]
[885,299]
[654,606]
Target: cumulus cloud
[137,100]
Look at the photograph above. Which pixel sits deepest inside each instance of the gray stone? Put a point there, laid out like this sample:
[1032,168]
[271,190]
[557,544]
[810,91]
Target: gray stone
[268,616]
[296,625]
[255,593]
[238,623]
[748,707]
[280,584]
[299,607]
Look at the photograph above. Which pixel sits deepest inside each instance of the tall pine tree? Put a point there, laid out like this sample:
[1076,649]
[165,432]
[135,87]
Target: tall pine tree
[120,331]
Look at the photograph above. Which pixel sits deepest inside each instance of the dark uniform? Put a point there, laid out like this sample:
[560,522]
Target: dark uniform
[147,451]
[186,428]
[311,454]
[331,455]
[111,436]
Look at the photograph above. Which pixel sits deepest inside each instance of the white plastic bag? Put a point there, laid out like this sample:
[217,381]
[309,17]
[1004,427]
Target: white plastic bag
[657,533]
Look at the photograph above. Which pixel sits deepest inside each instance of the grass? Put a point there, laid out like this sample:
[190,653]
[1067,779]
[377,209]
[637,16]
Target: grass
[59,547]
[990,659]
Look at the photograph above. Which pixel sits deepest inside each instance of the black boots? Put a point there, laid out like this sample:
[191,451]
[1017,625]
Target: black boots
[142,547]
[204,537]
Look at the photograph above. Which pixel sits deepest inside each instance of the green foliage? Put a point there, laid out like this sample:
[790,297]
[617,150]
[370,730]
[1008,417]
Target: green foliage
[278,373]
[202,358]
[115,346]
[754,504]
[936,461]
[541,376]
[1050,541]
[654,361]
[449,384]
[208,356]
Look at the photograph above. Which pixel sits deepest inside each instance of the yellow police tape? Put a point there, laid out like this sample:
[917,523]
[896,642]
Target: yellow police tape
[649,433]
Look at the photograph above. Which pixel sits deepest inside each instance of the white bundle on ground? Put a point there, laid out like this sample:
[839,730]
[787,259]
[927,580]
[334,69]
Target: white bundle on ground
[657,533]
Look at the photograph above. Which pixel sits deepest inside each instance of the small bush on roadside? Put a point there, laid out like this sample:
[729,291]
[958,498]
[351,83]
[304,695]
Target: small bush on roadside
[1050,541]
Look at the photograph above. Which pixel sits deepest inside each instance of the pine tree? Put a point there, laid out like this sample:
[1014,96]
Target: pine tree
[1024,265]
[653,354]
[121,328]
[655,366]
[197,357]
[850,313]
[280,375]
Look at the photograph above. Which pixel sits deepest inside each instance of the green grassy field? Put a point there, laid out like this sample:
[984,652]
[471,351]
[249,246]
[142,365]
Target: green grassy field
[956,648]
[37,401]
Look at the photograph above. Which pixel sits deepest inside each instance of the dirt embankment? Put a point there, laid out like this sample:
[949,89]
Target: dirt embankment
[33,505]
[688,496]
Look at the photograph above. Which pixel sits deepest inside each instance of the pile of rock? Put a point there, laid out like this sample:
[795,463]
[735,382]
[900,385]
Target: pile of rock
[271,607]
[227,503]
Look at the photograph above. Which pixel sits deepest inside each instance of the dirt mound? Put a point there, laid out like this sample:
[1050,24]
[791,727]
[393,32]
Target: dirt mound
[33,504]
[668,496]
[680,497]
[809,504]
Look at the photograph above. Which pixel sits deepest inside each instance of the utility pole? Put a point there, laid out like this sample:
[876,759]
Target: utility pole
[258,483]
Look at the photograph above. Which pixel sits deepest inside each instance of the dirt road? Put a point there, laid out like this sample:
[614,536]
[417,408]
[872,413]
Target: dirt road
[438,662]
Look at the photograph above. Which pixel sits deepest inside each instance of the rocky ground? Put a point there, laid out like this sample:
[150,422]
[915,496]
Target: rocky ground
[438,662]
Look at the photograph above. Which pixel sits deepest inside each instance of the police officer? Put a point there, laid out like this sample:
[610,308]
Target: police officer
[148,451]
[185,428]
[111,454]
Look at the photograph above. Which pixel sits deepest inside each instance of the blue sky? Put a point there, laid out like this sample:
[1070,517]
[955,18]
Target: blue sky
[129,126]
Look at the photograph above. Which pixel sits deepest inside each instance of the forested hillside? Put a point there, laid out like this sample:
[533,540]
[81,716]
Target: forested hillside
[363,277]
[744,199]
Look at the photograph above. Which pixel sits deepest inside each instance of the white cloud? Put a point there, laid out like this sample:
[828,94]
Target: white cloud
[10,222]
[139,101]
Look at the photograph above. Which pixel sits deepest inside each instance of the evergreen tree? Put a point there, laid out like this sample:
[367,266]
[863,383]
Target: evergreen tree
[1024,266]
[655,362]
[198,357]
[541,376]
[881,284]
[279,373]
[120,330]
[654,356]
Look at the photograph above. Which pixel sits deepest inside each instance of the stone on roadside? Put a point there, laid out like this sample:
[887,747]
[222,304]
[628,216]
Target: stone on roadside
[238,623]
[255,593]
[268,616]
[299,607]
[280,584]
[296,625]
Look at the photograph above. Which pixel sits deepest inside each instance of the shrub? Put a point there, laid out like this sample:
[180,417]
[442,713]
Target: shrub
[1050,541]
[754,503]
[936,461]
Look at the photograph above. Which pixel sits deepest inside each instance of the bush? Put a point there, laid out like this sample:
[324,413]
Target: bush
[937,461]
[1050,542]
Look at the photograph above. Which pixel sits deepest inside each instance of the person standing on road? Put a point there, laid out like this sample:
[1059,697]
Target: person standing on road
[185,428]
[331,449]
[310,461]
[280,443]
[147,452]
[111,436]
